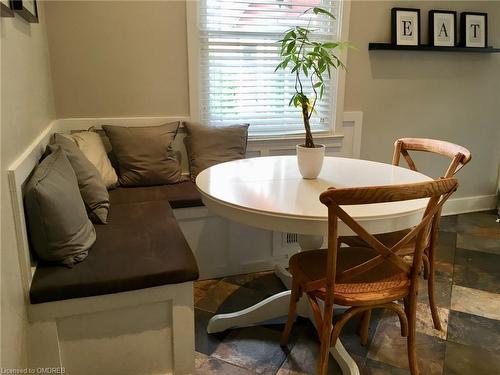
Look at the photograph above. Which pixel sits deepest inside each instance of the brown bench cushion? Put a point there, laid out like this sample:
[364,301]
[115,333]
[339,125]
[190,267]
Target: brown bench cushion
[142,246]
[181,195]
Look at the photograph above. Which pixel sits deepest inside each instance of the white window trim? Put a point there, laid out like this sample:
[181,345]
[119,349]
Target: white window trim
[193,47]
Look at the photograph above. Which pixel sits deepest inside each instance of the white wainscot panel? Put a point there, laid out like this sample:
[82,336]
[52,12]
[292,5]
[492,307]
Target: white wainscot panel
[224,247]
[88,342]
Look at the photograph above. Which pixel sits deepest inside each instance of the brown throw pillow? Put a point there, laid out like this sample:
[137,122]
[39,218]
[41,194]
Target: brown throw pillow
[92,187]
[145,154]
[59,228]
[210,145]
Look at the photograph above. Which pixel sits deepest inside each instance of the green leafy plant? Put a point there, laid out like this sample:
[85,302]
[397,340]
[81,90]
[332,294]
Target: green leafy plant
[309,60]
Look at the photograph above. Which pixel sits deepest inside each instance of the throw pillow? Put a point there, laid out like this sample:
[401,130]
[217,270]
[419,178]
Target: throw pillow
[59,228]
[91,145]
[145,154]
[210,145]
[92,188]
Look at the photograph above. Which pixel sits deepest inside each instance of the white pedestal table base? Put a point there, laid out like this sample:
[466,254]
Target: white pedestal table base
[274,307]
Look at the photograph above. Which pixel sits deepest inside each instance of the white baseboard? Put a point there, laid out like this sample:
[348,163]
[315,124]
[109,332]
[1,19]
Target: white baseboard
[470,204]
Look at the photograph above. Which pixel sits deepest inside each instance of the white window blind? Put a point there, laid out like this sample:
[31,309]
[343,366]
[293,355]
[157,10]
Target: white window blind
[239,53]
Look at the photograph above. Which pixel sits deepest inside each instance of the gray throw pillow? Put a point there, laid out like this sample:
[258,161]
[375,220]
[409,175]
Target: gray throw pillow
[145,155]
[94,192]
[59,228]
[210,145]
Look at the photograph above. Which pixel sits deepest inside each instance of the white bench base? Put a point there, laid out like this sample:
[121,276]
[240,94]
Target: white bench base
[147,331]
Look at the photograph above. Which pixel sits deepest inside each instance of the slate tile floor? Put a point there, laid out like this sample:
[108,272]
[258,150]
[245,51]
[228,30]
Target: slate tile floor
[468,295]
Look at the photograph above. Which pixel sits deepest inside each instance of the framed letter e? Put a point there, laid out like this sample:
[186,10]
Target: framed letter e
[405,26]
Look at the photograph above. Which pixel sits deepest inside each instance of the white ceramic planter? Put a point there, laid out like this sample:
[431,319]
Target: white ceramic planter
[310,160]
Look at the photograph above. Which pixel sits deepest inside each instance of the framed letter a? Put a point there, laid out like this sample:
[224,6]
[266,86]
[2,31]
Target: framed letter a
[443,28]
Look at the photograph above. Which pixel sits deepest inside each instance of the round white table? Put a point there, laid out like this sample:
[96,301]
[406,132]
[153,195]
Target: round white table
[269,193]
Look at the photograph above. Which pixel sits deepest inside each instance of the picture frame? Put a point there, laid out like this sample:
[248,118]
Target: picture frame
[443,28]
[27,9]
[5,9]
[474,29]
[405,26]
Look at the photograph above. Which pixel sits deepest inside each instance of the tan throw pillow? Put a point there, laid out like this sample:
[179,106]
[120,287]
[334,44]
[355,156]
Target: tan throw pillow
[92,188]
[210,145]
[91,145]
[59,228]
[145,154]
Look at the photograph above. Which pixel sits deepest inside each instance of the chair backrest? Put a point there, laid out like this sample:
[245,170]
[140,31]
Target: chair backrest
[437,191]
[459,155]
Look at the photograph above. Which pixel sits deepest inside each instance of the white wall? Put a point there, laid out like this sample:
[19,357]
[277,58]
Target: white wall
[443,95]
[118,58]
[26,109]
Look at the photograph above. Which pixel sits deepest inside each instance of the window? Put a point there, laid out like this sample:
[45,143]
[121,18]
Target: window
[238,55]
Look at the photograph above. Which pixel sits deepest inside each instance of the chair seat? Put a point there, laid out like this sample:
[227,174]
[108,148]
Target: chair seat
[389,239]
[382,284]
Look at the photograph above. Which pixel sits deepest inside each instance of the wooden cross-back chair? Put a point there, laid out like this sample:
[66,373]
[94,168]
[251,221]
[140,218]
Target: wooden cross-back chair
[459,156]
[364,278]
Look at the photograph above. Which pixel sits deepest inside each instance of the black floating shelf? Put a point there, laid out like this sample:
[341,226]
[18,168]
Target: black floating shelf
[425,47]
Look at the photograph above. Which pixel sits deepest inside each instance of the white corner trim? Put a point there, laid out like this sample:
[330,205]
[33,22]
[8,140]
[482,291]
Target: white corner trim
[338,100]
[470,204]
[356,117]
[18,172]
[32,151]
[193,49]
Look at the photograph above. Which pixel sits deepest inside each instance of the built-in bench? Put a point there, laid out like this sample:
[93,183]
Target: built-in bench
[128,307]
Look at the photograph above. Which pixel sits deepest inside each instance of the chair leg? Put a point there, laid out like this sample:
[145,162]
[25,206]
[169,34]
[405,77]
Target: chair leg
[411,339]
[430,292]
[426,262]
[364,326]
[326,333]
[292,310]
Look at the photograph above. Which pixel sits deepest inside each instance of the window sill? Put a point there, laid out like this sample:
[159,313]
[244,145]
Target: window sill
[285,145]
[324,137]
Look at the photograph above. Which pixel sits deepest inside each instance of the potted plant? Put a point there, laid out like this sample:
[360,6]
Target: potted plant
[311,62]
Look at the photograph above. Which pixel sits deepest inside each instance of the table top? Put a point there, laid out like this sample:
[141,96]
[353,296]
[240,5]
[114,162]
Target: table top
[270,193]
